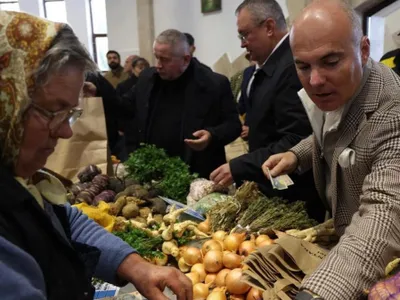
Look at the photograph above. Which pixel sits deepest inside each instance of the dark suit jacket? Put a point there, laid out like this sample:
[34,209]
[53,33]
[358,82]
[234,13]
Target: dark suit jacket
[277,121]
[126,85]
[209,105]
[243,103]
[108,94]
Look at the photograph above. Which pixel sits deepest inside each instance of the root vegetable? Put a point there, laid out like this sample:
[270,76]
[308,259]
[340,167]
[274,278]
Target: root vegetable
[150,220]
[167,234]
[120,224]
[158,218]
[233,241]
[246,248]
[194,277]
[254,294]
[158,206]
[130,210]
[117,206]
[234,282]
[200,291]
[192,256]
[204,226]
[162,227]
[210,280]
[135,200]
[265,243]
[219,235]
[140,220]
[217,295]
[236,297]
[213,261]
[136,224]
[180,228]
[262,238]
[197,232]
[199,269]
[170,248]
[220,280]
[182,250]
[211,245]
[173,215]
[144,212]
[183,266]
[162,260]
[231,260]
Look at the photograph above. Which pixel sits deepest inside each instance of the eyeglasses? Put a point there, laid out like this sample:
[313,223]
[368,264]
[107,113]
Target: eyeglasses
[244,36]
[56,119]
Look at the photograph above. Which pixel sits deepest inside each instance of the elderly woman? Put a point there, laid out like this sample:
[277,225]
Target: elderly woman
[49,250]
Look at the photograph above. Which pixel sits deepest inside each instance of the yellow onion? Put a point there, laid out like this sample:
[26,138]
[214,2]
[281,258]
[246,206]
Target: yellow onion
[204,226]
[219,235]
[199,269]
[231,260]
[246,248]
[262,238]
[194,277]
[213,261]
[217,295]
[220,280]
[233,241]
[210,280]
[200,291]
[211,245]
[192,256]
[234,282]
[236,297]
[254,294]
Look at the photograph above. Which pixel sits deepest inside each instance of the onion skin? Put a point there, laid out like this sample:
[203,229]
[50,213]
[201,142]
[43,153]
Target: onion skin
[246,248]
[200,291]
[194,277]
[217,295]
[211,245]
[236,297]
[262,238]
[210,280]
[234,284]
[219,235]
[192,256]
[213,261]
[220,281]
[231,260]
[265,243]
[204,226]
[199,269]
[254,294]
[233,241]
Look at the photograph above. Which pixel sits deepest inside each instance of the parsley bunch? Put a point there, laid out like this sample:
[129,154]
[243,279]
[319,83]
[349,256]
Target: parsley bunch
[170,175]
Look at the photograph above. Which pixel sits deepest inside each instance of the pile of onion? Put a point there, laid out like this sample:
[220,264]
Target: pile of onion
[234,283]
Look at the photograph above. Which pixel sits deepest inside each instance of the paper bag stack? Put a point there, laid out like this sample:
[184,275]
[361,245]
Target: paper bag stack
[279,269]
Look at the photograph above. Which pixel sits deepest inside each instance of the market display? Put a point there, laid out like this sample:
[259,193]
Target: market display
[221,253]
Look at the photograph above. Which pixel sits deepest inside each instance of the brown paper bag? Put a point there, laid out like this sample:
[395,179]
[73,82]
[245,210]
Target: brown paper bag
[235,149]
[88,145]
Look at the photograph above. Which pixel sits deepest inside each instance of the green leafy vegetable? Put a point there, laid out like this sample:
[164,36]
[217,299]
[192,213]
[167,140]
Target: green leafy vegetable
[170,175]
[139,240]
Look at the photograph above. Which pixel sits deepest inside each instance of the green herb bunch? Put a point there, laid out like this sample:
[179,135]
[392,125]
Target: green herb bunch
[170,175]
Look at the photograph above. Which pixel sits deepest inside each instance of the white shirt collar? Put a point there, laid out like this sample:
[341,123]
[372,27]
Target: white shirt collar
[276,47]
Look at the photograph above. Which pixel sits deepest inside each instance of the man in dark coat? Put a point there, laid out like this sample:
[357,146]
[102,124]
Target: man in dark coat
[274,113]
[183,107]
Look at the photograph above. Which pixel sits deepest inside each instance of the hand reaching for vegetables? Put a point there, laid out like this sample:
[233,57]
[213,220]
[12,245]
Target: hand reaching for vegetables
[222,175]
[151,280]
[202,141]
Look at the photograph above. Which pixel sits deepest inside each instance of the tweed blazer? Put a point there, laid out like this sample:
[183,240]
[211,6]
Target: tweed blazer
[365,188]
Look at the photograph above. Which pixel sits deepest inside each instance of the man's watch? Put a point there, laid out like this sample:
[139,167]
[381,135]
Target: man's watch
[305,295]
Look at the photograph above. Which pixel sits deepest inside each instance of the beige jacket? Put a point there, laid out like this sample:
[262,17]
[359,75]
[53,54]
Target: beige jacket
[365,188]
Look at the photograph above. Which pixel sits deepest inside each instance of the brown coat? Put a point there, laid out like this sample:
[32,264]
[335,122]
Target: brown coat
[116,77]
[365,189]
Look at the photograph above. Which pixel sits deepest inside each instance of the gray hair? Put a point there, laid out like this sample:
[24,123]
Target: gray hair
[176,39]
[66,50]
[355,20]
[262,10]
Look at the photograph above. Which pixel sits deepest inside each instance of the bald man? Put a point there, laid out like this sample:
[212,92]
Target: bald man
[353,104]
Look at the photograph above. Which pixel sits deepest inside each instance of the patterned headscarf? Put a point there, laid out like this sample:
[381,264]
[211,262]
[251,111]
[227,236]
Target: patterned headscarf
[24,40]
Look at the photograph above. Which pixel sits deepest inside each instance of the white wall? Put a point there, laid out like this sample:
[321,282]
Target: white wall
[392,25]
[215,33]
[122,27]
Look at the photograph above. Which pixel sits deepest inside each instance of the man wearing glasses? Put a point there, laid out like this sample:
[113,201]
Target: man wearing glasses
[274,113]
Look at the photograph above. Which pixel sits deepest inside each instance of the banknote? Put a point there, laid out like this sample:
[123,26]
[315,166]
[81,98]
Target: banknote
[281,182]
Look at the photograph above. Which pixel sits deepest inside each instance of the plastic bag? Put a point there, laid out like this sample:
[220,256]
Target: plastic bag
[207,202]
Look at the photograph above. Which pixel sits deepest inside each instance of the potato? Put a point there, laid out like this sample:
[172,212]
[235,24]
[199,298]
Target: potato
[130,211]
